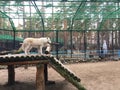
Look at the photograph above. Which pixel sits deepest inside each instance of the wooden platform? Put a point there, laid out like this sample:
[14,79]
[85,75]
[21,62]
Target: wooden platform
[22,59]
[41,61]
[17,59]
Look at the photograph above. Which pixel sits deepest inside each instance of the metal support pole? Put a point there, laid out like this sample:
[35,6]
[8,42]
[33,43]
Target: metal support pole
[112,44]
[71,43]
[85,46]
[98,43]
[14,40]
[57,45]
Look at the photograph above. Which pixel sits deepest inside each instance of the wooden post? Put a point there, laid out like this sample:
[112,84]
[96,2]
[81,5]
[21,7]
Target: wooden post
[11,75]
[45,73]
[40,82]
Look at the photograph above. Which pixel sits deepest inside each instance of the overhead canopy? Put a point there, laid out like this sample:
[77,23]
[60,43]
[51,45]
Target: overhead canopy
[55,14]
[69,0]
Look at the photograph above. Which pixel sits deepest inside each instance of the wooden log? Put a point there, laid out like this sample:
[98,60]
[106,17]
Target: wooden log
[11,75]
[25,62]
[40,82]
[45,73]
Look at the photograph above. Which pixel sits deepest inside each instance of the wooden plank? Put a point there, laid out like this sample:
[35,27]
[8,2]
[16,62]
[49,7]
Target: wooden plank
[40,82]
[26,62]
[19,55]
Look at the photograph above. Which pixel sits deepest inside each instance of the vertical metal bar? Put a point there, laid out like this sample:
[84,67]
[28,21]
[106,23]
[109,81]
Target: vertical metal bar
[39,13]
[14,40]
[14,30]
[30,26]
[112,44]
[85,45]
[57,45]
[98,42]
[71,43]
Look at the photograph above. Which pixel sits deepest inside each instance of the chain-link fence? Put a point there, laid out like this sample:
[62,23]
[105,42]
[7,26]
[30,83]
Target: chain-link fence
[72,44]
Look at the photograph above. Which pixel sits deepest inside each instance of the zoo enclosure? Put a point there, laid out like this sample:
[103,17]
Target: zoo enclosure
[80,26]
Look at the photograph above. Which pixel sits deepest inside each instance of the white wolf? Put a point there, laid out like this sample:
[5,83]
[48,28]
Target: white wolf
[38,43]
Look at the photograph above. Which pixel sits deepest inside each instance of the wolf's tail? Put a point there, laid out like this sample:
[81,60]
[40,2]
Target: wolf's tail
[21,48]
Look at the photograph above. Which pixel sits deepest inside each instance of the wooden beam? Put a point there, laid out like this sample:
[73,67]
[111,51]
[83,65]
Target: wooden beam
[26,62]
[11,75]
[40,82]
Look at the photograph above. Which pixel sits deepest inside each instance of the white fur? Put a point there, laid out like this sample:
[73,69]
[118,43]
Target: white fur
[48,48]
[38,43]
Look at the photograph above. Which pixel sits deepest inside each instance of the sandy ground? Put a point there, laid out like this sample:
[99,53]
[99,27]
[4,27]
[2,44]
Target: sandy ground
[94,76]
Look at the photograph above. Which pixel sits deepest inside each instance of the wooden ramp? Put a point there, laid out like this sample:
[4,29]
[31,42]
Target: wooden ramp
[65,72]
[17,59]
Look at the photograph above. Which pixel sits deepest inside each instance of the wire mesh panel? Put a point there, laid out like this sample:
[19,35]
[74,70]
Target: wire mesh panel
[79,26]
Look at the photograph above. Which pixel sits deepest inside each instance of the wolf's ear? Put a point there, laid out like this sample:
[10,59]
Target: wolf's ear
[48,38]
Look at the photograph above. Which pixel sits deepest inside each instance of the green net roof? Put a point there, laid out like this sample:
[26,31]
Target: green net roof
[68,0]
[60,14]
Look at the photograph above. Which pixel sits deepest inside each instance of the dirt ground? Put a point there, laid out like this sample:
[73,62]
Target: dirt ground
[94,76]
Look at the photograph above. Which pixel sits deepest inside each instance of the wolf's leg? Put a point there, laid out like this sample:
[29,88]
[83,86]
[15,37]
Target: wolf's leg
[40,50]
[27,49]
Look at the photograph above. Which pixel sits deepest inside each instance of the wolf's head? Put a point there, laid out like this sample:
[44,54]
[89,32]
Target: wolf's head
[48,40]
